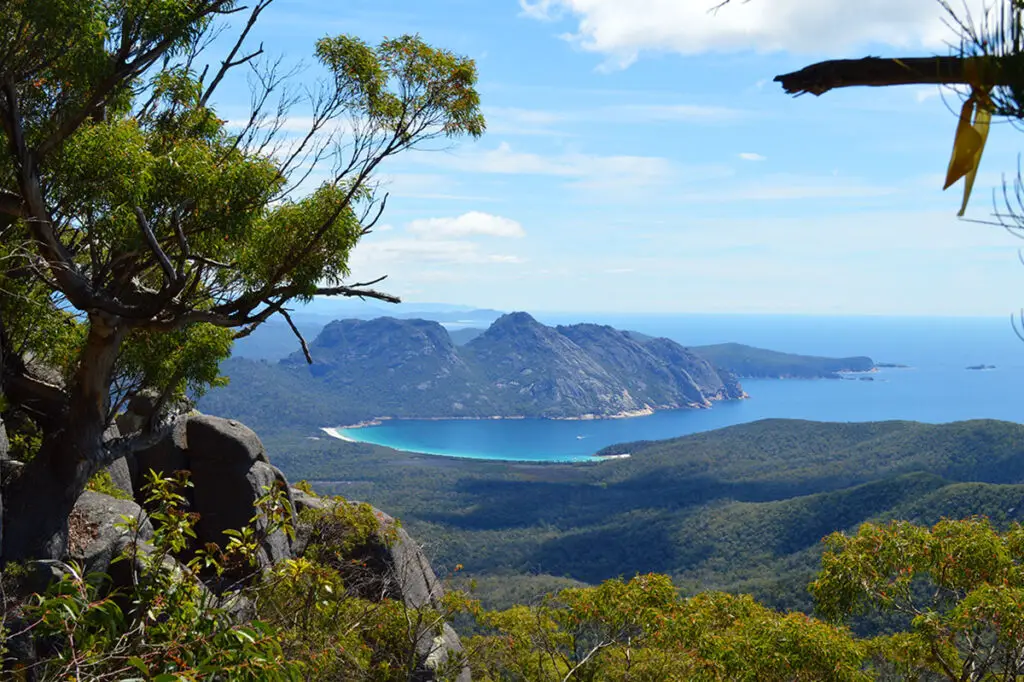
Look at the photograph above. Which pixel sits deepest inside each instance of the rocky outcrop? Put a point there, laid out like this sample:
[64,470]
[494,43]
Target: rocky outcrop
[229,472]
[97,534]
[391,564]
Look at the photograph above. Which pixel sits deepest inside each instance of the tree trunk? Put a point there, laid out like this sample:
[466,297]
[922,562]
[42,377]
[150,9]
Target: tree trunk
[39,501]
[817,79]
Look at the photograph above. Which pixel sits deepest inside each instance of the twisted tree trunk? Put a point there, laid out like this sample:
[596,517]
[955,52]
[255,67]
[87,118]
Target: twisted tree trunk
[39,501]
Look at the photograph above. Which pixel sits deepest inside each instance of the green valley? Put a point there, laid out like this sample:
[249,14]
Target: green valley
[739,509]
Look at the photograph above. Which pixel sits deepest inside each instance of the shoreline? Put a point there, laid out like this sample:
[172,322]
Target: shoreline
[335,433]
[645,411]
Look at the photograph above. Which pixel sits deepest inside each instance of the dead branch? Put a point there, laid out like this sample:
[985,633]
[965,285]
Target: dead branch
[817,79]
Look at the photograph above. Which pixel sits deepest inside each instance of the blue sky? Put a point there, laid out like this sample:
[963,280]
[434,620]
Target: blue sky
[639,159]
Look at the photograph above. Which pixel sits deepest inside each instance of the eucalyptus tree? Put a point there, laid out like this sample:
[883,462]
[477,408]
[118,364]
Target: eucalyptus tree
[140,233]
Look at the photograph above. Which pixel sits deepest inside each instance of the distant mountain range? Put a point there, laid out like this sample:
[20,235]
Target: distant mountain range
[517,367]
[746,362]
[274,339]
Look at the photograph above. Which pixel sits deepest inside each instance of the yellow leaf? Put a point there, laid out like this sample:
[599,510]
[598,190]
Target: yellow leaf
[982,121]
[965,145]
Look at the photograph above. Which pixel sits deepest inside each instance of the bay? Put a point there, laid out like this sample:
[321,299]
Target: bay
[936,387]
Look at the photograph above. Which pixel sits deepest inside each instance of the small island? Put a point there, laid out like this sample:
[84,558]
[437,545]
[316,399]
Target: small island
[981,367]
[891,365]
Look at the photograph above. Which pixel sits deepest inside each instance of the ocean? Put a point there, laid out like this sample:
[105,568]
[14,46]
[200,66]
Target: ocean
[935,388]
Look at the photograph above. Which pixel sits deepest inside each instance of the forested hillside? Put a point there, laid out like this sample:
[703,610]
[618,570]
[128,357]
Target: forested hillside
[748,362]
[742,508]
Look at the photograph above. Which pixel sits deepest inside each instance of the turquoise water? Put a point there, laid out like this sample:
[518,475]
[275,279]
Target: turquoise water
[937,388]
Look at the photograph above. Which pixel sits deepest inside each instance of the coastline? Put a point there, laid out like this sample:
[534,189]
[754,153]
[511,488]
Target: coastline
[645,411]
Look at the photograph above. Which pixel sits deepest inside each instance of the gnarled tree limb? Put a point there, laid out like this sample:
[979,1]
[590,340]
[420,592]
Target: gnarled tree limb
[817,79]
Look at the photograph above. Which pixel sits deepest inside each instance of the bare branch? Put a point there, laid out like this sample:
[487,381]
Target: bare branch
[354,292]
[817,79]
[230,62]
[298,335]
[154,246]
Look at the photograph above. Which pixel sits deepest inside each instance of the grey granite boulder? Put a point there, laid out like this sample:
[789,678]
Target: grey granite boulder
[120,473]
[229,471]
[225,496]
[226,439]
[168,455]
[95,538]
[5,444]
[121,476]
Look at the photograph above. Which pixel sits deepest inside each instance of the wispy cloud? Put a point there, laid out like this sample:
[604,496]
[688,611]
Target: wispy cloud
[519,121]
[752,156]
[581,170]
[691,113]
[436,242]
[472,223]
[433,186]
[403,250]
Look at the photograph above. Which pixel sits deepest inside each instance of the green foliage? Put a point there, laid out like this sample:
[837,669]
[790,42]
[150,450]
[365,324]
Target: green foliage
[337,634]
[642,630]
[961,583]
[103,482]
[25,438]
[336,614]
[342,527]
[437,83]
[316,617]
[168,626]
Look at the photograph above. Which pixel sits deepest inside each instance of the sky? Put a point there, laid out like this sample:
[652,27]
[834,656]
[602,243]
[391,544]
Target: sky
[639,158]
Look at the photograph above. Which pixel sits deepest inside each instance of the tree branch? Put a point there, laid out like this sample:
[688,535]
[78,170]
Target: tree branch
[817,79]
[298,335]
[230,61]
[354,292]
[123,72]
[154,246]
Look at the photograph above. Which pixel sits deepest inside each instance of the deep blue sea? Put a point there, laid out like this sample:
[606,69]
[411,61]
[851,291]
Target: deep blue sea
[936,388]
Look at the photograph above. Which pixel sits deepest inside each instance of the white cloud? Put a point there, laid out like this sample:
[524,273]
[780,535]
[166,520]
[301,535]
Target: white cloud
[752,156]
[373,256]
[584,170]
[435,243]
[623,30]
[536,117]
[472,223]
